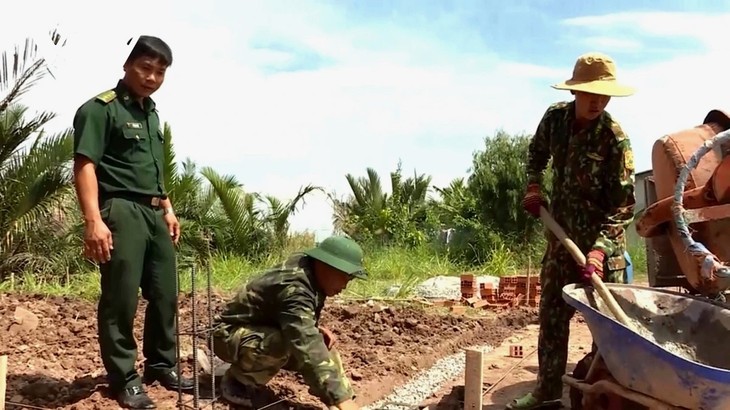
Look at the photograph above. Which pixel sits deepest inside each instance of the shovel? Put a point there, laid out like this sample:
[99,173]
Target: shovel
[580,259]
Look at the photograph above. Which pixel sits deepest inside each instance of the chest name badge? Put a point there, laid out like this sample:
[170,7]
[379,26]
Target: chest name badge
[594,156]
[134,125]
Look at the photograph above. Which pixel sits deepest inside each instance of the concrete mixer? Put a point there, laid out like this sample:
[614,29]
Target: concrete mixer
[686,223]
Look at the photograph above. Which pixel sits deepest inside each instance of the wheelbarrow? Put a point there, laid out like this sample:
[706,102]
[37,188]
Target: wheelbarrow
[673,359]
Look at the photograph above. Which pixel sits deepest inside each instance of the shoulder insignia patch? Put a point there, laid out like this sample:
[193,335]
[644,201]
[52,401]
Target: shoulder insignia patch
[107,96]
[629,159]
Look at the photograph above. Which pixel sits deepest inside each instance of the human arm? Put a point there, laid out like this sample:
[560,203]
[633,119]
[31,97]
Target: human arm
[539,150]
[170,219]
[538,157]
[306,344]
[90,140]
[620,196]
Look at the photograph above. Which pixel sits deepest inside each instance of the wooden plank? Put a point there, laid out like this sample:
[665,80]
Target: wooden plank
[473,379]
[3,380]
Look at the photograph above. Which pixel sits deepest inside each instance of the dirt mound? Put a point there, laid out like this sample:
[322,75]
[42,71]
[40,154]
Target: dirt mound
[55,363]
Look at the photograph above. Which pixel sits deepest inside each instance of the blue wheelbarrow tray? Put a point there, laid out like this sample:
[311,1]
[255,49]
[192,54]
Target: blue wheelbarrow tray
[679,353]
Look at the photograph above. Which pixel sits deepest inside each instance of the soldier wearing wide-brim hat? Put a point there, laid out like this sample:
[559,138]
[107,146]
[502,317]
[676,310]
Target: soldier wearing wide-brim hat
[273,323]
[592,199]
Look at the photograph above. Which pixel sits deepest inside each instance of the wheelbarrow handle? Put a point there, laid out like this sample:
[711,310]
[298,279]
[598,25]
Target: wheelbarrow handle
[580,259]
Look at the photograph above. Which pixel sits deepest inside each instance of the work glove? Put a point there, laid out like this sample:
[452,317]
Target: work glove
[533,200]
[594,264]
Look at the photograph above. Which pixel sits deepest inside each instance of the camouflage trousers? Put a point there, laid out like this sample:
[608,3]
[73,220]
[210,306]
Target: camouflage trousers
[558,270]
[258,353]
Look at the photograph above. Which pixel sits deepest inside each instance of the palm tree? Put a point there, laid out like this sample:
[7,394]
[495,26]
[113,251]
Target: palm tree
[279,212]
[370,213]
[34,180]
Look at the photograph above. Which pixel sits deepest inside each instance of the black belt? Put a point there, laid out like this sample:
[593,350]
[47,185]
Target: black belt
[146,200]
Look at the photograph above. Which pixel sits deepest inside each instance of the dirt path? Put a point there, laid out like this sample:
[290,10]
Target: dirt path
[519,380]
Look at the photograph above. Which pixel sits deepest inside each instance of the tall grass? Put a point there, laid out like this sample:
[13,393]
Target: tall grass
[388,267]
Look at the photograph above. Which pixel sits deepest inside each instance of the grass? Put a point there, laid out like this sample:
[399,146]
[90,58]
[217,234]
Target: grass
[388,267]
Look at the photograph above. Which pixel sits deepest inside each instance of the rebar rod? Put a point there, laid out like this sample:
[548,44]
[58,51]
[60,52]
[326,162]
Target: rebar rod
[196,388]
[211,355]
[177,333]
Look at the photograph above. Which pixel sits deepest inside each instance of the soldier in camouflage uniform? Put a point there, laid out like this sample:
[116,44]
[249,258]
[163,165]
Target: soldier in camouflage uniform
[592,199]
[273,324]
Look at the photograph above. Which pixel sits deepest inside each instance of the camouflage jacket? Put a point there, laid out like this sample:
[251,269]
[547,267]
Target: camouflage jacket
[593,177]
[287,297]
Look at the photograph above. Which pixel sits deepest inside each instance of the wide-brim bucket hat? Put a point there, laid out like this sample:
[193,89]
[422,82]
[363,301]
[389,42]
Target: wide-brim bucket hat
[595,73]
[342,253]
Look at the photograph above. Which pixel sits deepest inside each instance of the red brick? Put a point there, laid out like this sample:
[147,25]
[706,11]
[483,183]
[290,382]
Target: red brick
[480,304]
[458,310]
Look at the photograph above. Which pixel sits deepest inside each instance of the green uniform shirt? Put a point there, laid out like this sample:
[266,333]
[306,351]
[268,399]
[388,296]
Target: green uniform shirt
[288,298]
[593,177]
[123,140]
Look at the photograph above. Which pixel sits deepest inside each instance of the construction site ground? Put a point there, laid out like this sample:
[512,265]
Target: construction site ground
[53,359]
[507,378]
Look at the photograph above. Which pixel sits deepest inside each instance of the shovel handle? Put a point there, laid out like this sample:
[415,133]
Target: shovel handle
[580,259]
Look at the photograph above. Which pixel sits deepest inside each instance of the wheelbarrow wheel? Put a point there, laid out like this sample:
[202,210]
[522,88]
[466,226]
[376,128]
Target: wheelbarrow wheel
[580,372]
[598,402]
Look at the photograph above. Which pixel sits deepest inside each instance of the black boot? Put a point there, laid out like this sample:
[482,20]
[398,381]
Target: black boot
[135,398]
[169,379]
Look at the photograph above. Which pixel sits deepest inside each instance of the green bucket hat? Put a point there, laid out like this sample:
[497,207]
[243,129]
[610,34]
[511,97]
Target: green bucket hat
[341,253]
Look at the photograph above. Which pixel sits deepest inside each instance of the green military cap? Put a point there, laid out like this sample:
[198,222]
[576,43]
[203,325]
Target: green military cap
[341,253]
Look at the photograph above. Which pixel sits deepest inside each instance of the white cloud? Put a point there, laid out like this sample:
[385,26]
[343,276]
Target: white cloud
[609,44]
[384,92]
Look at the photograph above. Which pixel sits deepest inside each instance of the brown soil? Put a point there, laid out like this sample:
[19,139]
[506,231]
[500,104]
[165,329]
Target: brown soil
[57,365]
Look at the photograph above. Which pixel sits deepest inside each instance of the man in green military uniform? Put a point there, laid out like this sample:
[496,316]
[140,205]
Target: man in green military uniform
[592,199]
[273,324]
[130,228]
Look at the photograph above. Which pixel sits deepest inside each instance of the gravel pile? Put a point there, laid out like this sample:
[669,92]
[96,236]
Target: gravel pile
[421,387]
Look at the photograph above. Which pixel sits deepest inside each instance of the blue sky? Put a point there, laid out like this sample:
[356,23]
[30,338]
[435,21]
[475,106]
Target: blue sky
[286,93]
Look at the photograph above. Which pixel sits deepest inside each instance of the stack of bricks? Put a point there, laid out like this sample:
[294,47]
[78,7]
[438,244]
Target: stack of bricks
[488,293]
[511,291]
[469,286]
[507,288]
[514,289]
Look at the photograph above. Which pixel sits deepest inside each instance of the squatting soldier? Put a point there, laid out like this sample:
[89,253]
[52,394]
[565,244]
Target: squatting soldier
[130,227]
[592,199]
[273,324]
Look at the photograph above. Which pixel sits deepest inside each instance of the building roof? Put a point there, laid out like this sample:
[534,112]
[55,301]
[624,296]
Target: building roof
[643,173]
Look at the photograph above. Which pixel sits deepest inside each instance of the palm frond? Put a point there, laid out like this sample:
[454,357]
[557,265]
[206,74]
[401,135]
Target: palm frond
[26,68]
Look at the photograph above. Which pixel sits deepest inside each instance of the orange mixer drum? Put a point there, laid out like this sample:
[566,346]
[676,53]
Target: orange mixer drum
[721,181]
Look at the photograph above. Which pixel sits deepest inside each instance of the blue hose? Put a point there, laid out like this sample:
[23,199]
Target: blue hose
[629,276]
